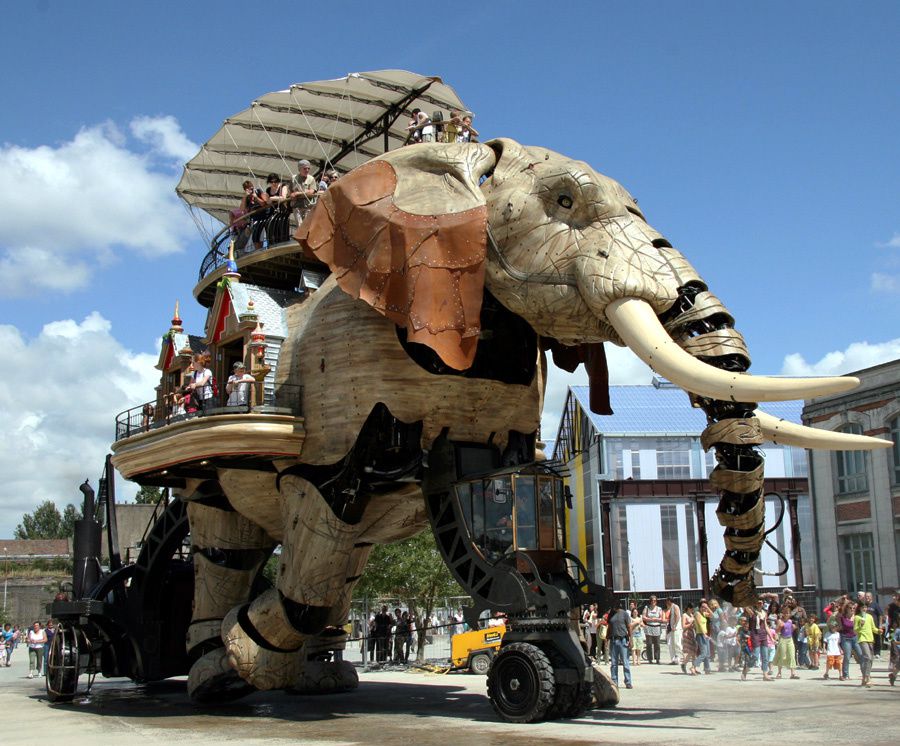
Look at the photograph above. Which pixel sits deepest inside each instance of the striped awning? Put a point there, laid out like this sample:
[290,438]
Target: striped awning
[337,124]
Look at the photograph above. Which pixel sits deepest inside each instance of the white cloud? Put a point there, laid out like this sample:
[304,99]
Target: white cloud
[85,200]
[58,408]
[624,368]
[892,243]
[165,135]
[884,283]
[857,356]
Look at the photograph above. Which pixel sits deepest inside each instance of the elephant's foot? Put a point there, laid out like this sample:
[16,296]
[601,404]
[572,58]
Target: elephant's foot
[606,693]
[212,680]
[261,645]
[326,677]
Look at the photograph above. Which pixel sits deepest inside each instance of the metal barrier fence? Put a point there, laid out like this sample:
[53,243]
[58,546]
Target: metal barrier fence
[283,398]
[256,231]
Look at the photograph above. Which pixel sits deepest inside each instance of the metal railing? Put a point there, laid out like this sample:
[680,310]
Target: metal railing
[258,230]
[283,398]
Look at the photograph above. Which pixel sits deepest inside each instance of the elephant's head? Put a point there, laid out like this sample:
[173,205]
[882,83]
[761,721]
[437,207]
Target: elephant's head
[421,232]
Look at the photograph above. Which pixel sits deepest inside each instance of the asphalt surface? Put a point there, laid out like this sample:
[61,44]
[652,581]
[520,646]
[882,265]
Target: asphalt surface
[421,708]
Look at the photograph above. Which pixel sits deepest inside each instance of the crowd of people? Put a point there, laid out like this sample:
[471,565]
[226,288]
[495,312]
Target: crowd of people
[458,128]
[36,639]
[272,211]
[777,636]
[284,204]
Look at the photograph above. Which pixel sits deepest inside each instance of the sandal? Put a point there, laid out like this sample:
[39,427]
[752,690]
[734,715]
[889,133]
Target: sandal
[794,676]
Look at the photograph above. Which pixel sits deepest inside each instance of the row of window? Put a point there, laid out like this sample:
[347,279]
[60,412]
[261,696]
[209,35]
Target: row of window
[850,466]
[671,457]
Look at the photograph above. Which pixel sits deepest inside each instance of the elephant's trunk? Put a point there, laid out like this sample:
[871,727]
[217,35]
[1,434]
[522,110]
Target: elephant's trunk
[702,326]
[695,345]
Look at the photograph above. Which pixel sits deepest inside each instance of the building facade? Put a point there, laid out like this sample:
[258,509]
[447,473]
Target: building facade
[643,512]
[856,494]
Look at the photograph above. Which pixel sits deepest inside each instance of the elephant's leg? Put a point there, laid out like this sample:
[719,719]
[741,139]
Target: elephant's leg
[265,638]
[228,552]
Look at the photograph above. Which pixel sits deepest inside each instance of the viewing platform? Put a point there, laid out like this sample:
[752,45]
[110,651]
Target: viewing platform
[277,263]
[161,446]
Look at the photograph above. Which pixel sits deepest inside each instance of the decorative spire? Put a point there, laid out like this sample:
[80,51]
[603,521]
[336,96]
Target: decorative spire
[258,342]
[250,314]
[231,268]
[176,327]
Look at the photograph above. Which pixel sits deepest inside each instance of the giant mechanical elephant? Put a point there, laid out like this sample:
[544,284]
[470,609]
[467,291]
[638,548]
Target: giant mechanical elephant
[454,268]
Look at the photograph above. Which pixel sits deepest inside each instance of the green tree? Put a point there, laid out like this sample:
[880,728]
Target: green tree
[46,522]
[412,571]
[69,516]
[148,495]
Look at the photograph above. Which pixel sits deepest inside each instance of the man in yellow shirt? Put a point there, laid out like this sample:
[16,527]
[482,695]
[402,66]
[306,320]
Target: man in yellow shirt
[865,628]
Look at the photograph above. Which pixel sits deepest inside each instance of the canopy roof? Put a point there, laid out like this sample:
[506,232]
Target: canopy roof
[336,124]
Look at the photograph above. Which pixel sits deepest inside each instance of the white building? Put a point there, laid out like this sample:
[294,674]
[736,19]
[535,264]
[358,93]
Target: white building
[641,501]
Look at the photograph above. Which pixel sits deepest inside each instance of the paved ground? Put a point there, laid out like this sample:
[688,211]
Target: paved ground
[423,708]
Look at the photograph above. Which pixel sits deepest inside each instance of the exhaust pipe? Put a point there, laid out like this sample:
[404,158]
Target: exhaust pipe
[86,546]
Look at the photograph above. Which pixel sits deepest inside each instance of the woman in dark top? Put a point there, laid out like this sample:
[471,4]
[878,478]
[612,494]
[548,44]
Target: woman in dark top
[759,634]
[849,641]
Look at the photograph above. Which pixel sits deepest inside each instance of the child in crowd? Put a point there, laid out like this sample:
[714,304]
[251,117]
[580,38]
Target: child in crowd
[895,656]
[833,651]
[745,644]
[814,639]
[637,637]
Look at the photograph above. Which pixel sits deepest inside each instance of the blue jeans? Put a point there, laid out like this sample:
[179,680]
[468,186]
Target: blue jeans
[619,653]
[802,653]
[848,645]
[762,655]
[703,654]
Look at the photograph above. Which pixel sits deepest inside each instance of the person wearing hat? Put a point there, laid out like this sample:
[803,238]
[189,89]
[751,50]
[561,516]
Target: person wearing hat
[238,386]
[303,191]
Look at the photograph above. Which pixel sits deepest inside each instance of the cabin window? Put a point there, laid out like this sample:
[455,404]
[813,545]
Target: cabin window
[546,510]
[526,513]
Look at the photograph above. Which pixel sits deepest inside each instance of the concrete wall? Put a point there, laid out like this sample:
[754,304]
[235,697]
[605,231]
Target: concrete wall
[132,522]
[27,598]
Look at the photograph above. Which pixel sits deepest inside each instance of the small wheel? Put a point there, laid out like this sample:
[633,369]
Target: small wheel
[480,664]
[521,685]
[61,673]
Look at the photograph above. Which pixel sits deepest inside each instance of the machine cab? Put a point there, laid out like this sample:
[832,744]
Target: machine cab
[520,509]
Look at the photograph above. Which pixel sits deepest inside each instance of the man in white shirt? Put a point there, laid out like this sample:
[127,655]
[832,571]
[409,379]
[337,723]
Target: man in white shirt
[303,191]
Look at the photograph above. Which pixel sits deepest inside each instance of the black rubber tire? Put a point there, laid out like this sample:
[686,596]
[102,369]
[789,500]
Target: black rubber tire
[571,700]
[480,664]
[61,672]
[521,684]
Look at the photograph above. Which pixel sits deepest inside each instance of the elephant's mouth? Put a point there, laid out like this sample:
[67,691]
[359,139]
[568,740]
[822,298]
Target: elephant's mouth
[694,344]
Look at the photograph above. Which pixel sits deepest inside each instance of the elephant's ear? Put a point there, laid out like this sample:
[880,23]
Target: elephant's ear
[407,233]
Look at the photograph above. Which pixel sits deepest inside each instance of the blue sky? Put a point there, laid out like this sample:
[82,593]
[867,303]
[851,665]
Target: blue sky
[760,139]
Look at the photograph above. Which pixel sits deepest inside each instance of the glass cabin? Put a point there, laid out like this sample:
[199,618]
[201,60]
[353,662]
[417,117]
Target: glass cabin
[514,511]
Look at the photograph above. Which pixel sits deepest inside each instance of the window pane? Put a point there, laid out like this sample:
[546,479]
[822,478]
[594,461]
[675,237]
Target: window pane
[851,465]
[671,564]
[498,507]
[526,528]
[547,509]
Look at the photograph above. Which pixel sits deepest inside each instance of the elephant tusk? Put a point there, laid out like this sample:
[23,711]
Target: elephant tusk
[641,330]
[790,434]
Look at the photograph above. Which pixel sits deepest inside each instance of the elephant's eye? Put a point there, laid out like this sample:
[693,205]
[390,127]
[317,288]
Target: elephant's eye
[564,201]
